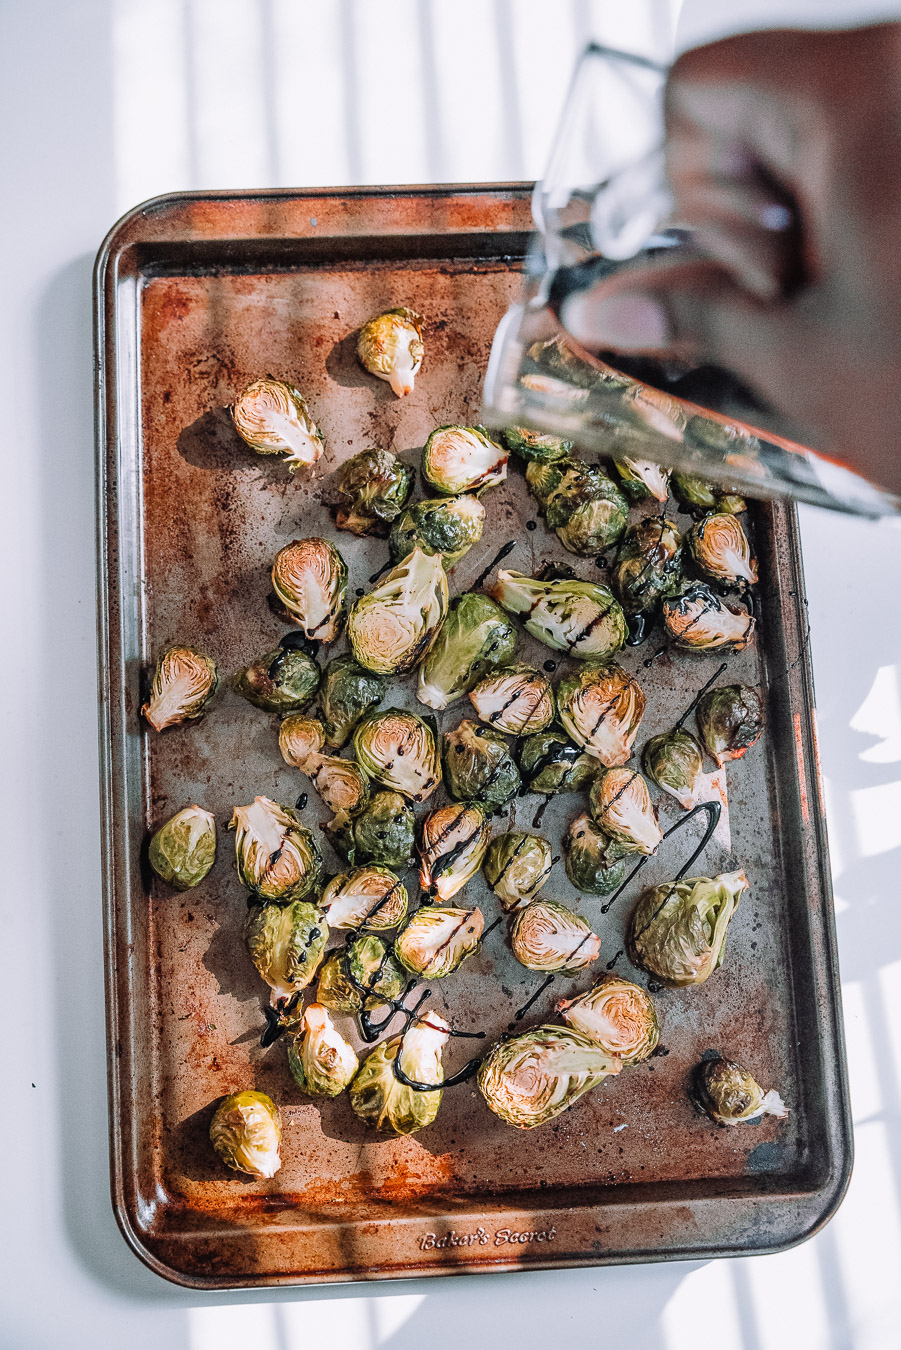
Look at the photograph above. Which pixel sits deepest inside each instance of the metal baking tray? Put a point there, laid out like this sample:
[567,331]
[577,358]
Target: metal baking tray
[197,295]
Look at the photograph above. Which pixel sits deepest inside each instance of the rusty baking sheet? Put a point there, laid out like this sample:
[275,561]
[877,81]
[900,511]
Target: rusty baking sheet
[197,295]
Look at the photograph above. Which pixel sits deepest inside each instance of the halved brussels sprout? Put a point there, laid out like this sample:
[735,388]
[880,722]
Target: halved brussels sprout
[272,417]
[548,936]
[585,507]
[595,863]
[678,929]
[398,750]
[321,1061]
[183,850]
[371,490]
[642,478]
[437,938]
[379,1097]
[446,525]
[516,867]
[675,763]
[721,550]
[601,707]
[309,581]
[578,617]
[515,699]
[698,496]
[535,445]
[342,785]
[277,857]
[461,459]
[617,1015]
[286,943]
[383,832]
[729,1094]
[476,637]
[246,1132]
[368,897]
[529,1079]
[730,720]
[390,346]
[366,963]
[301,741]
[452,845]
[698,619]
[183,684]
[550,763]
[392,628]
[648,565]
[284,680]
[621,804]
[347,693]
[478,766]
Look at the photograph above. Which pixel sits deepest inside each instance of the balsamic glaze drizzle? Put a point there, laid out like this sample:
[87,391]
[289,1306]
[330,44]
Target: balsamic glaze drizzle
[498,557]
[703,690]
[713,811]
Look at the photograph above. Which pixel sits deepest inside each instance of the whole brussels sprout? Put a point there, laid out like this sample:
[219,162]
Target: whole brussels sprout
[529,1079]
[515,699]
[535,445]
[368,897]
[365,964]
[678,929]
[721,550]
[183,684]
[648,565]
[475,637]
[696,619]
[392,628]
[379,1097]
[516,867]
[675,763]
[183,850]
[698,496]
[282,681]
[581,618]
[277,857]
[383,832]
[346,694]
[321,1061]
[286,943]
[728,1093]
[246,1132]
[594,863]
[398,750]
[642,478]
[437,938]
[478,766]
[550,763]
[372,490]
[586,508]
[272,417]
[446,525]
[621,804]
[452,845]
[730,720]
[301,741]
[544,478]
[617,1015]
[549,937]
[601,707]
[390,347]
[460,459]
[309,582]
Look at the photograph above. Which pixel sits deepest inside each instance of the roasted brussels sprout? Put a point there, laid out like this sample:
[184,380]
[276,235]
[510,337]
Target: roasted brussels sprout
[246,1132]
[309,582]
[273,419]
[581,618]
[601,708]
[729,1094]
[383,832]
[183,684]
[379,1097]
[452,845]
[301,741]
[365,964]
[346,694]
[698,496]
[617,1015]
[286,943]
[475,637]
[371,491]
[730,720]
[437,938]
[392,628]
[548,936]
[446,525]
[585,507]
[594,863]
[515,699]
[282,681]
[550,763]
[734,443]
[462,459]
[184,849]
[321,1061]
[642,478]
[368,897]
[516,867]
[697,619]
[721,550]
[648,565]
[390,346]
[531,1078]
[478,766]
[342,785]
[399,751]
[534,445]
[545,477]
[621,804]
[277,857]
[675,763]
[678,929]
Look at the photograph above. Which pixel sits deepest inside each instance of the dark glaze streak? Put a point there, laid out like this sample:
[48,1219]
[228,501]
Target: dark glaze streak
[466,1072]
[499,557]
[703,690]
[445,861]
[612,962]
[276,1019]
[653,657]
[513,856]
[491,927]
[521,1012]
[713,811]
[381,572]
[539,814]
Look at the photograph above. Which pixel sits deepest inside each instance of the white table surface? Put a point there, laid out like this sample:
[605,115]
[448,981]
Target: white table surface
[106,102]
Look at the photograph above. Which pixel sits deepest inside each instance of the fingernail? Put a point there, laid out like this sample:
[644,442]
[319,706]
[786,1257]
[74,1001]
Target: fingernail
[625,321]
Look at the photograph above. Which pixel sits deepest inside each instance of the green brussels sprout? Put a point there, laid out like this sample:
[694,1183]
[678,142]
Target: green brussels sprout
[379,1097]
[581,618]
[544,478]
[183,684]
[642,478]
[392,628]
[617,1015]
[452,845]
[516,867]
[390,346]
[284,680]
[678,929]
[461,459]
[183,850]
[246,1132]
[476,637]
[446,525]
[365,963]
[601,708]
[721,550]
[698,620]
[309,585]
[534,445]
[730,720]
[478,766]
[585,507]
[594,863]
[550,763]
[549,937]
[277,857]
[368,897]
[674,762]
[731,504]
[347,693]
[437,938]
[301,741]
[621,804]
[272,417]
[728,1093]
[648,565]
[698,496]
[515,699]
[529,1079]
[398,749]
[733,443]
[321,1061]
[372,490]
[383,832]
[286,943]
